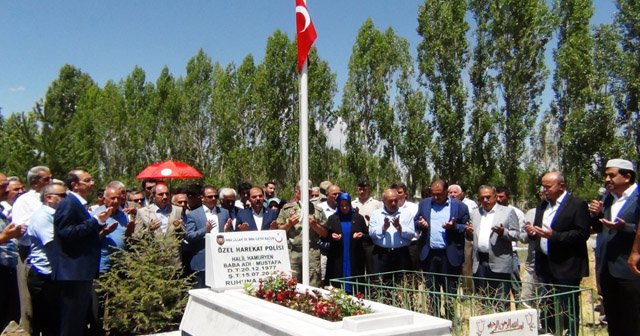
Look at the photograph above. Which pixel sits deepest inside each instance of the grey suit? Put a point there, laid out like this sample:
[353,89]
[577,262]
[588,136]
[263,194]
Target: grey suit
[500,251]
[147,214]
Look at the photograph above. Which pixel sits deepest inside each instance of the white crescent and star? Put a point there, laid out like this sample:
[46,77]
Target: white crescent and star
[303,10]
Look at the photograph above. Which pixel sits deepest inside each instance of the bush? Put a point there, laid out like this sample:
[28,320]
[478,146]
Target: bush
[145,290]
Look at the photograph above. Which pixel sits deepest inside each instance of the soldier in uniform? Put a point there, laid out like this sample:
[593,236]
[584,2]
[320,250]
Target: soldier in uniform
[289,220]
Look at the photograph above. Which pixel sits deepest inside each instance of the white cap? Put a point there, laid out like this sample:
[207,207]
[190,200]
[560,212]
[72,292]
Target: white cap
[620,164]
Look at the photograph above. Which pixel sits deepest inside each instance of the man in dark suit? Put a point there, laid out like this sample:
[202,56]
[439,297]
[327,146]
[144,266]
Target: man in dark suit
[441,222]
[257,217]
[494,228]
[615,218]
[200,221]
[76,265]
[560,232]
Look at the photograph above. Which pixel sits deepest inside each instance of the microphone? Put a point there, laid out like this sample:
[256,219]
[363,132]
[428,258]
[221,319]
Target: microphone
[602,194]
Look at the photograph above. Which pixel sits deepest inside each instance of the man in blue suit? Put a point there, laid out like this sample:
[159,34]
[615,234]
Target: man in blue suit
[257,217]
[441,221]
[200,221]
[76,265]
[615,217]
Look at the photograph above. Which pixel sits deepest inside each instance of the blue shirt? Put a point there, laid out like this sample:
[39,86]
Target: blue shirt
[8,250]
[114,241]
[40,231]
[391,238]
[440,214]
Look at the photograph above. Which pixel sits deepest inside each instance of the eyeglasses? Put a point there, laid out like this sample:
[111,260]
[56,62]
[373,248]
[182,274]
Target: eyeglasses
[46,178]
[137,200]
[211,196]
[61,195]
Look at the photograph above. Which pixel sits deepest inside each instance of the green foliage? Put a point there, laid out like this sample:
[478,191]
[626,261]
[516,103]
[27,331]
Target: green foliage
[380,64]
[520,31]
[483,143]
[628,25]
[400,118]
[144,292]
[442,57]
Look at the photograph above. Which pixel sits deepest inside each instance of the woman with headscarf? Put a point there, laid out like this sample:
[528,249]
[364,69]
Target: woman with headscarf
[347,230]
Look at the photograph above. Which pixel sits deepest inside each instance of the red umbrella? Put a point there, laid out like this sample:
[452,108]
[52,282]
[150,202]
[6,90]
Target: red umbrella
[169,169]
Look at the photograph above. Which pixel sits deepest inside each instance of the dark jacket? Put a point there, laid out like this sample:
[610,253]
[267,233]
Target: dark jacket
[567,245]
[78,236]
[454,236]
[336,250]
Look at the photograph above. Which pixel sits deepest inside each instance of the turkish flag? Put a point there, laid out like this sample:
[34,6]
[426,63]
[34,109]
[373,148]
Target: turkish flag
[306,32]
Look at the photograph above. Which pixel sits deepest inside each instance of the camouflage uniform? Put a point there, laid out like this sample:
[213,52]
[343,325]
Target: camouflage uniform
[294,236]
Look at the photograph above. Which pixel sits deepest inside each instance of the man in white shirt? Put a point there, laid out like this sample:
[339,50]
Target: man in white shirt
[27,204]
[13,190]
[330,206]
[494,228]
[615,218]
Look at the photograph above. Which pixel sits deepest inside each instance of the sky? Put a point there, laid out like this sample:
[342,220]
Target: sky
[107,39]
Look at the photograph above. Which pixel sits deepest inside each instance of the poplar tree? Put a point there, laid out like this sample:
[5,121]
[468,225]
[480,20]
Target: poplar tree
[442,58]
[378,59]
[59,134]
[520,31]
[573,86]
[628,24]
[483,144]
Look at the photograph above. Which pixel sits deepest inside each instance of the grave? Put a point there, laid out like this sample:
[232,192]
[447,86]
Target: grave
[238,257]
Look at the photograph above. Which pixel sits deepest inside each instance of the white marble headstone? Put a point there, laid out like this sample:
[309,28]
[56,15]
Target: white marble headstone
[235,258]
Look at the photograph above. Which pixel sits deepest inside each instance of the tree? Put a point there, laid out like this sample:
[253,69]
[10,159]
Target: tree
[276,92]
[482,146]
[57,143]
[145,291]
[20,136]
[520,31]
[415,143]
[442,57]
[197,130]
[628,24]
[377,61]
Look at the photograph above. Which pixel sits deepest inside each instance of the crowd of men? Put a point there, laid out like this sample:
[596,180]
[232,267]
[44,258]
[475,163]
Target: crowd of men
[53,244]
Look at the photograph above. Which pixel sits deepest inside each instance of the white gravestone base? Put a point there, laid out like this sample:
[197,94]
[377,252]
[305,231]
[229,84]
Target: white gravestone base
[233,312]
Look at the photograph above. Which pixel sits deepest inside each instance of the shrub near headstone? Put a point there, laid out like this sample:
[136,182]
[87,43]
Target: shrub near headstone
[145,290]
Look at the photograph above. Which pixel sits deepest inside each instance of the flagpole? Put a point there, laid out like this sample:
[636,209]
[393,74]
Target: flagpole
[304,171]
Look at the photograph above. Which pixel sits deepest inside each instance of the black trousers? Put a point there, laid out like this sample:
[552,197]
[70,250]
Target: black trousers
[9,298]
[75,302]
[621,299]
[561,305]
[445,277]
[391,259]
[489,285]
[44,299]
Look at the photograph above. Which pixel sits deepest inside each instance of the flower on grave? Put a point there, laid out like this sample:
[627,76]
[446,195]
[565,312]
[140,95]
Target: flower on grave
[334,306]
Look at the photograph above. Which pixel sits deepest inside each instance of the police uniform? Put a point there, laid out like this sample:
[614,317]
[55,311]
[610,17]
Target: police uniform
[294,237]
